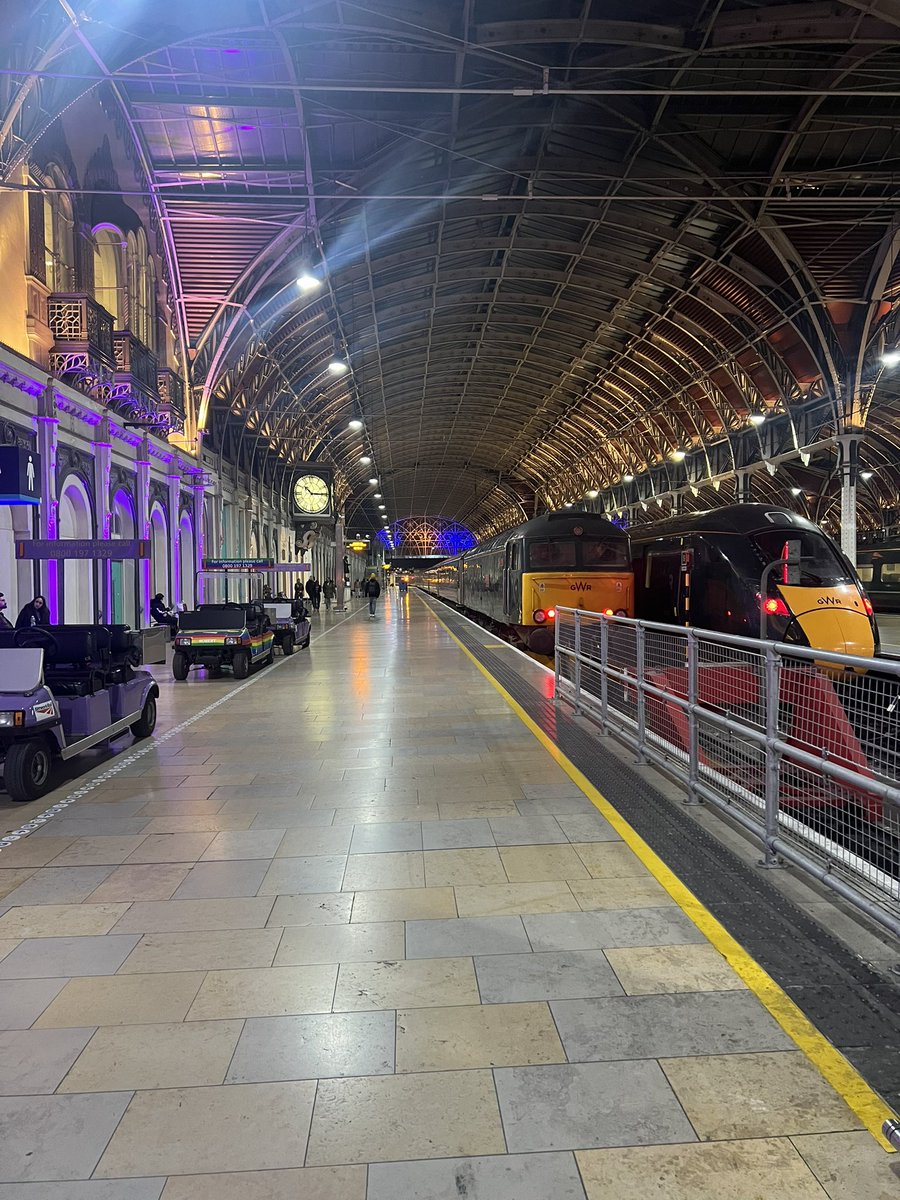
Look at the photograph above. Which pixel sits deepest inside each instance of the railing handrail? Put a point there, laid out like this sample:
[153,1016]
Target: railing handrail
[801,751]
[889,666]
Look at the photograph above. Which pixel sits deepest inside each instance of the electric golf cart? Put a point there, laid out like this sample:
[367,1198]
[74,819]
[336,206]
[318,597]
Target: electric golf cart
[290,621]
[214,636]
[65,689]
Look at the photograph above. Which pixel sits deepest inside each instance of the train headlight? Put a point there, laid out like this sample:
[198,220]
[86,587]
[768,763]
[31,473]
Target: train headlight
[551,613]
[539,616]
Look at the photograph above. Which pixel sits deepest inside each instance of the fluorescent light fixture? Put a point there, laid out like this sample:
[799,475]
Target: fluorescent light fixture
[373,482]
[891,358]
[678,455]
[308,282]
[866,475]
[757,418]
[382,506]
[337,366]
[568,504]
[378,495]
[365,460]
[354,424]
[593,494]
[628,479]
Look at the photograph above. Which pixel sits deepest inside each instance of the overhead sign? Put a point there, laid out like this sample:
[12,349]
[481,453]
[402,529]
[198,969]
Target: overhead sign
[358,546]
[238,564]
[20,476]
[44,549]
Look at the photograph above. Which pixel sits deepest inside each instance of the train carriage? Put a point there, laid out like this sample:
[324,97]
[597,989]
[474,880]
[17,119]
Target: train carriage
[517,580]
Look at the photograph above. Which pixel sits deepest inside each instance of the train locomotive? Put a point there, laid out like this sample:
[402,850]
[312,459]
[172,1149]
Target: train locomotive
[517,580]
[704,569]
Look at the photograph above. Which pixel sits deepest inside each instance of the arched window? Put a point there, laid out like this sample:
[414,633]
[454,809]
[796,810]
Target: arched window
[141,290]
[59,241]
[109,272]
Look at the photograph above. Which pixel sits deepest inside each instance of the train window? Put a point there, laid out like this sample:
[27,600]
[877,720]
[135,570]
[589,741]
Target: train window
[890,574]
[558,554]
[865,571]
[822,566]
[598,553]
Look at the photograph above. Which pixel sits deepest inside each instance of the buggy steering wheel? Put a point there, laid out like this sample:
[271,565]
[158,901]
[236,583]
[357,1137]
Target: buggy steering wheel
[40,639]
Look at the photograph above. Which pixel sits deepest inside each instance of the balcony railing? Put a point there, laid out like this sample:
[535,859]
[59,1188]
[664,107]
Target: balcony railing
[171,394]
[82,353]
[136,366]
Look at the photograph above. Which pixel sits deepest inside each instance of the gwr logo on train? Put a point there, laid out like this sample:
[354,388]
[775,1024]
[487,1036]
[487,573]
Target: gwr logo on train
[580,587]
[835,601]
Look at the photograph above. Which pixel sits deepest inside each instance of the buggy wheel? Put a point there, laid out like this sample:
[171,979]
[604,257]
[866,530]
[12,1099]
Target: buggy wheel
[180,665]
[146,723]
[27,770]
[240,664]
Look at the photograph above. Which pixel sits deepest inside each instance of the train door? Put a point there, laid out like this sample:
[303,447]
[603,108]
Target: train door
[511,579]
[663,595]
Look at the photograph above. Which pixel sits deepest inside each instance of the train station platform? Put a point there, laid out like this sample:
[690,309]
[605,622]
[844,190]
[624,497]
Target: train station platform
[385,923]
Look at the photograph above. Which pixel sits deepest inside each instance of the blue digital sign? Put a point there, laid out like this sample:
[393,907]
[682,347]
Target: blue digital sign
[20,476]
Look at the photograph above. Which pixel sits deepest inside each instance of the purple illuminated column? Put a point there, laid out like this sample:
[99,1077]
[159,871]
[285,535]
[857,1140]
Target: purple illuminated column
[199,535]
[142,471]
[48,514]
[174,481]
[103,510]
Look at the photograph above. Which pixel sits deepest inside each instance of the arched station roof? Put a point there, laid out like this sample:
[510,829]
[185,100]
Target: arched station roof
[559,240]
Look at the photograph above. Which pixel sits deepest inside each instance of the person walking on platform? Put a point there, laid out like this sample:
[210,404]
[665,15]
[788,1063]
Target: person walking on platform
[329,591]
[33,613]
[372,591]
[314,591]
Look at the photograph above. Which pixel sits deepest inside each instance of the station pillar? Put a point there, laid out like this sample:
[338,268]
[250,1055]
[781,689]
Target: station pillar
[103,516]
[173,479]
[339,581]
[144,566]
[743,489]
[848,465]
[48,513]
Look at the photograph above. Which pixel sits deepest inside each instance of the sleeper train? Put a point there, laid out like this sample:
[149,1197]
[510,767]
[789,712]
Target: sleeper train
[516,581]
[702,569]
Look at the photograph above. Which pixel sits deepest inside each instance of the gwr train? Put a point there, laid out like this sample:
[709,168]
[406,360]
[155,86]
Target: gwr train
[879,569]
[518,579]
[705,568]
[702,569]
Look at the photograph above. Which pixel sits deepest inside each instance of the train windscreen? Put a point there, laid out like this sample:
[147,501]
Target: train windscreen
[570,554]
[821,565]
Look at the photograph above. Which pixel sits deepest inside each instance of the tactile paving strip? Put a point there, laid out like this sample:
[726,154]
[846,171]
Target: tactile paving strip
[854,1006]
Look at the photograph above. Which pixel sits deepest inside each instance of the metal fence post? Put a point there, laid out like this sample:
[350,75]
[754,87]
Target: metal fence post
[640,649]
[604,681]
[556,660]
[693,718]
[578,660]
[773,763]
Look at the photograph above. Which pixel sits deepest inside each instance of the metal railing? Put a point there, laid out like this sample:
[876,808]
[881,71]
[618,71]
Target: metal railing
[800,747]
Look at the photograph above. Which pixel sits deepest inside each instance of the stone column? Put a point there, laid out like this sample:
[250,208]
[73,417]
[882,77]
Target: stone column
[103,513]
[173,479]
[199,490]
[48,512]
[144,565]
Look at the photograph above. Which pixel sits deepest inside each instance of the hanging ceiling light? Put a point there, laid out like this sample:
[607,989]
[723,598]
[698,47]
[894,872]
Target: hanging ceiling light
[757,418]
[628,479]
[866,475]
[678,456]
[307,282]
[891,358]
[593,494]
[378,495]
[354,424]
[373,482]
[337,366]
[365,460]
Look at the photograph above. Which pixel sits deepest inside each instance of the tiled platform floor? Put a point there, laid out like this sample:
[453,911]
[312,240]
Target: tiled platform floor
[355,935]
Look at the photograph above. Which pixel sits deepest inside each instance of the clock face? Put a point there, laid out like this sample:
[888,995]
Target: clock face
[311,494]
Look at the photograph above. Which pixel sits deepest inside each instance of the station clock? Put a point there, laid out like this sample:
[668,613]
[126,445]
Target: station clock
[312,495]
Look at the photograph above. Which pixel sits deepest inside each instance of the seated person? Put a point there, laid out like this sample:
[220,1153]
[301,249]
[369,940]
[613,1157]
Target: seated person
[160,613]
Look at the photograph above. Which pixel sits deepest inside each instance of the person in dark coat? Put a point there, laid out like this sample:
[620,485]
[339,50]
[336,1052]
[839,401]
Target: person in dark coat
[33,613]
[160,612]
[5,622]
[314,591]
[372,591]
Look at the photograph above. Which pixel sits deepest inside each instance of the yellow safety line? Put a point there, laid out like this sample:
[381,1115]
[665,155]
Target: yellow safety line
[826,1058]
